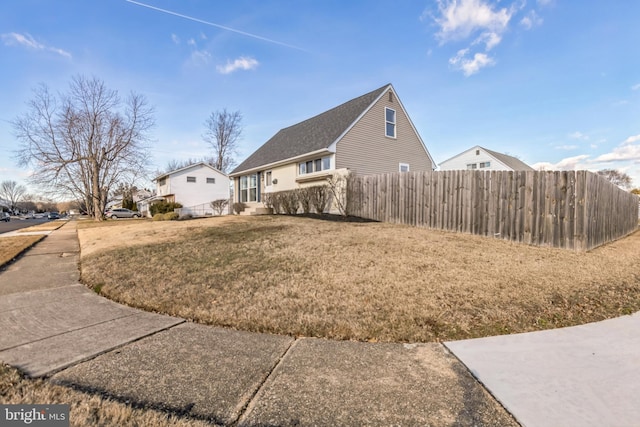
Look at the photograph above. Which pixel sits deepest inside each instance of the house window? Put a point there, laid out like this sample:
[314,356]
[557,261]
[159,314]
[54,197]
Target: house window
[211,180]
[390,122]
[326,163]
[404,167]
[477,152]
[253,188]
[485,165]
[267,178]
[162,181]
[472,166]
[191,179]
[249,188]
[316,165]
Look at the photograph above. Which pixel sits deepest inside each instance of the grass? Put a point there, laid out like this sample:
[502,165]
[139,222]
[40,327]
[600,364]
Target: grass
[45,226]
[11,247]
[360,281]
[85,409]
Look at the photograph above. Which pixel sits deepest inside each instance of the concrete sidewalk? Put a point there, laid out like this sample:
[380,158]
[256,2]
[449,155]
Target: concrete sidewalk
[59,329]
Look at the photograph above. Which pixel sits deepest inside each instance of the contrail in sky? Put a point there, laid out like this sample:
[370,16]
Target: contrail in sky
[216,25]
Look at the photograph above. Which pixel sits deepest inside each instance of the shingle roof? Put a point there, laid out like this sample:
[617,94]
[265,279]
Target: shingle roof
[512,162]
[311,135]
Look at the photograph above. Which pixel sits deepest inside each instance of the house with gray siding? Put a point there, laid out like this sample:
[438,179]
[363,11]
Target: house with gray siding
[480,158]
[370,134]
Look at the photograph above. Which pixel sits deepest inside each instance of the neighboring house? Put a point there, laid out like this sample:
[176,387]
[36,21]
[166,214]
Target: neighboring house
[370,134]
[137,197]
[482,159]
[194,187]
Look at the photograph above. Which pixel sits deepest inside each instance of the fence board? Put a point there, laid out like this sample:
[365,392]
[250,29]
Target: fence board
[568,209]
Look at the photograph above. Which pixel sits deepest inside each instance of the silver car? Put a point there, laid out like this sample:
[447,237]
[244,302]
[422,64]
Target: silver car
[4,216]
[122,213]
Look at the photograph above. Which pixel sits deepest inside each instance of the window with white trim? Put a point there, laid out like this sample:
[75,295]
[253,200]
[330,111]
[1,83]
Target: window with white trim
[404,167]
[211,180]
[316,165]
[472,166]
[249,188]
[162,181]
[390,122]
[191,179]
[267,178]
[485,165]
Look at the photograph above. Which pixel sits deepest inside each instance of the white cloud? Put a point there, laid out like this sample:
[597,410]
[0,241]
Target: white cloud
[632,139]
[201,57]
[532,19]
[566,147]
[569,163]
[579,135]
[635,86]
[625,151]
[203,36]
[460,19]
[242,63]
[26,40]
[191,42]
[479,22]
[175,38]
[489,39]
[470,66]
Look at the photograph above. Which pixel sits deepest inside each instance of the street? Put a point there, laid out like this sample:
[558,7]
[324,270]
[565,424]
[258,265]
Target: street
[16,224]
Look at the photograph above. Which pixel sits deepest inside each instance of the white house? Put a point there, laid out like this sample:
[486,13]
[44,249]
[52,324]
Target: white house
[479,158]
[194,187]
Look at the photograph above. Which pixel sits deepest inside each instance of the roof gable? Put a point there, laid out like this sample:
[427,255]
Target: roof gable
[512,162]
[198,165]
[314,134]
[509,161]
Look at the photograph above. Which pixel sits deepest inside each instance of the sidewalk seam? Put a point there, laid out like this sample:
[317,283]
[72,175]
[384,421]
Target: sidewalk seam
[68,331]
[243,409]
[484,387]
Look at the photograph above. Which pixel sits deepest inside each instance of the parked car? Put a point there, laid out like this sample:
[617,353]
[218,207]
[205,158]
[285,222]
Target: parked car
[53,215]
[122,213]
[4,216]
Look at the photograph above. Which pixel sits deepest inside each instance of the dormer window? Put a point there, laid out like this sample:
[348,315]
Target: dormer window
[390,122]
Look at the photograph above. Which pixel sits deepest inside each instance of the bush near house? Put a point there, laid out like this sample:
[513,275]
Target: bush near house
[239,207]
[163,207]
[308,198]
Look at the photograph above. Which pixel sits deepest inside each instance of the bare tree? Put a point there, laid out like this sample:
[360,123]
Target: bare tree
[616,177]
[12,192]
[82,143]
[222,134]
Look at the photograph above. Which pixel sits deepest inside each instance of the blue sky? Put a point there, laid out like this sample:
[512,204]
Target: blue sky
[553,82]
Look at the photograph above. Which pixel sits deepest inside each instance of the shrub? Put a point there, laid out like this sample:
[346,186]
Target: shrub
[289,201]
[170,216]
[163,207]
[320,197]
[304,198]
[239,207]
[158,217]
[219,205]
[273,201]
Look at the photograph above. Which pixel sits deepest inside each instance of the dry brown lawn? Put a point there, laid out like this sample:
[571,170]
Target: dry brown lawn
[361,281]
[11,247]
[45,226]
[85,409]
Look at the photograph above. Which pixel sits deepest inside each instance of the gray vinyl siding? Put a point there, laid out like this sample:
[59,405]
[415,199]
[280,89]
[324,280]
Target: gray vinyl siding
[366,150]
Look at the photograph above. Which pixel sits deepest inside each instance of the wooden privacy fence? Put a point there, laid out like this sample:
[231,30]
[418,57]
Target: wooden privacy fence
[567,209]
